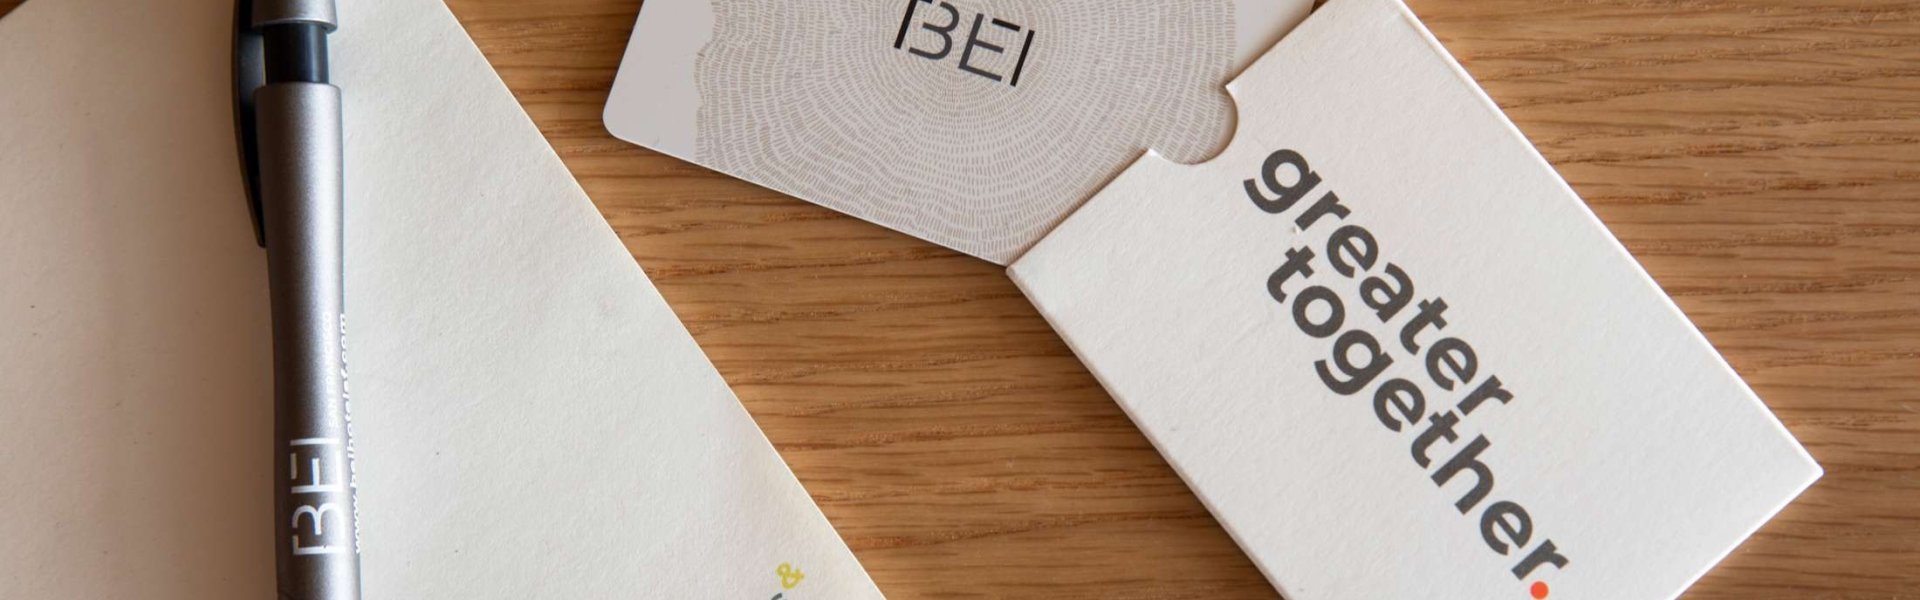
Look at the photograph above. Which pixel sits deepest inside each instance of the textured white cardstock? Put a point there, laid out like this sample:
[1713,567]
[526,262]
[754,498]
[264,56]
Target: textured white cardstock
[974,124]
[532,421]
[1396,355]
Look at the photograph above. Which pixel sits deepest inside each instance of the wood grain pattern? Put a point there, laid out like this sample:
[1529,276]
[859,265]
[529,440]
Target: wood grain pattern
[1760,157]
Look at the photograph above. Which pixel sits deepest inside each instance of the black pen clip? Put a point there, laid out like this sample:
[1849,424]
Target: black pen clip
[249,74]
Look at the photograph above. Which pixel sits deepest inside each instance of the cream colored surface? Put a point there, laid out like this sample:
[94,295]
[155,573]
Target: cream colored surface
[532,421]
[135,387]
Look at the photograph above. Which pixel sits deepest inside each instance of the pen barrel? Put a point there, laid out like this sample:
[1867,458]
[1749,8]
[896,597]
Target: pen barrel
[301,190]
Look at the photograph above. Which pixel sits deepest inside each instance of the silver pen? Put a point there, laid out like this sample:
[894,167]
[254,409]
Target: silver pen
[289,126]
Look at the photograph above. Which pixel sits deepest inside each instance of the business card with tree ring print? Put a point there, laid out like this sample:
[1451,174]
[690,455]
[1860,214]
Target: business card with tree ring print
[974,124]
[530,419]
[1397,356]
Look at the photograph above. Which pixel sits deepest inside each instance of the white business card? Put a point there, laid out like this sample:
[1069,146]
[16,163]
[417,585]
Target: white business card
[974,124]
[1397,356]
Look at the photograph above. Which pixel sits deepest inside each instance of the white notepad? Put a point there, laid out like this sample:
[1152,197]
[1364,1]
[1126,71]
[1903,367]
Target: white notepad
[1395,354]
[532,420]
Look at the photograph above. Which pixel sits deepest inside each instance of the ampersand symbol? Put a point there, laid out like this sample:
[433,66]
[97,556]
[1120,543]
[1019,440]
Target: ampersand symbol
[789,576]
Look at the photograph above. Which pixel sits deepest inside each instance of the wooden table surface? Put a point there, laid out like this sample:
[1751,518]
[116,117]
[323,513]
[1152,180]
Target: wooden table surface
[1761,158]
